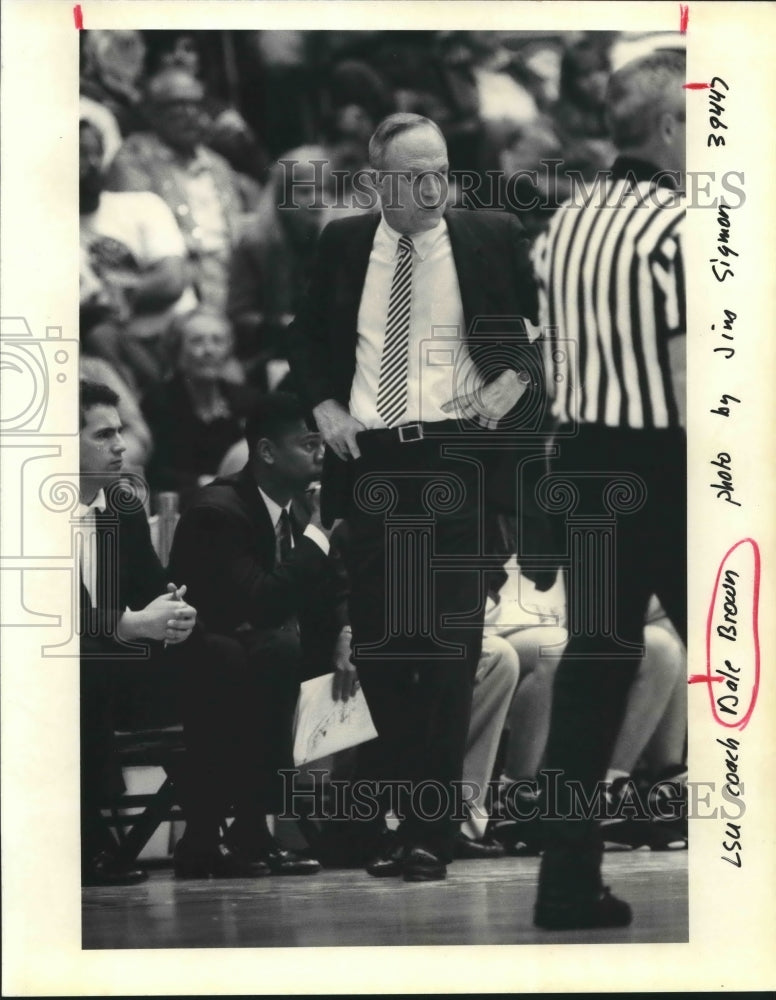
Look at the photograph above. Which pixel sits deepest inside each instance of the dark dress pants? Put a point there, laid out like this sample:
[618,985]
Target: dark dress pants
[238,695]
[127,693]
[606,623]
[416,663]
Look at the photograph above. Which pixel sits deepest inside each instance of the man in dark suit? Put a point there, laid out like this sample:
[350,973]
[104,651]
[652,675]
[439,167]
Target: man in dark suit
[127,612]
[386,353]
[257,561]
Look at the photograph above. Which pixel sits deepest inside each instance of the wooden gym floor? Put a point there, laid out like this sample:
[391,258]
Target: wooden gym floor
[481,902]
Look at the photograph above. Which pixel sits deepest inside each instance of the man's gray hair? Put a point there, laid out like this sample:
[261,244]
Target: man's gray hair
[640,92]
[391,127]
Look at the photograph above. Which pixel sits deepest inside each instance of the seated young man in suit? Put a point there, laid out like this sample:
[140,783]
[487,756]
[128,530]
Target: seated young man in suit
[272,608]
[128,614]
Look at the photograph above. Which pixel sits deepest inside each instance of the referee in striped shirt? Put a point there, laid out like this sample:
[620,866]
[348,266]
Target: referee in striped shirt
[613,311]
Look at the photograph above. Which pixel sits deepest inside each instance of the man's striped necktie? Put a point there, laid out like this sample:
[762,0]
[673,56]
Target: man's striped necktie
[392,389]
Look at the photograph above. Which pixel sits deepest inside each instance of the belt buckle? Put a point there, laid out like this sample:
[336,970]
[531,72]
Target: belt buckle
[410,432]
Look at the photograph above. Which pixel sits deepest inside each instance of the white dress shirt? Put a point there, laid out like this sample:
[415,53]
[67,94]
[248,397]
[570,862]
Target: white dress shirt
[275,510]
[439,365]
[88,552]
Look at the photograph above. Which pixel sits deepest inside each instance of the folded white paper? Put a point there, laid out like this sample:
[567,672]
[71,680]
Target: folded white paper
[323,726]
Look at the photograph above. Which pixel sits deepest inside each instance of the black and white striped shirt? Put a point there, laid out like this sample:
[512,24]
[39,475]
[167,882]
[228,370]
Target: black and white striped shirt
[611,286]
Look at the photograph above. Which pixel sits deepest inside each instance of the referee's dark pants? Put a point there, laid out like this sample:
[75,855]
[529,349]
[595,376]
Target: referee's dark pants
[416,663]
[639,478]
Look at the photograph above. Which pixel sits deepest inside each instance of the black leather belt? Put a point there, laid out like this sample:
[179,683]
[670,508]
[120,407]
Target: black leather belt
[408,433]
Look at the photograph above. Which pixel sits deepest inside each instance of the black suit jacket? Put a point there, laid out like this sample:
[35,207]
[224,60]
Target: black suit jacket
[129,574]
[497,291]
[224,550]
[494,275]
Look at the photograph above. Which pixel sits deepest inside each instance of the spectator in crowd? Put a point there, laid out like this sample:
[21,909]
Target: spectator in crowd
[126,608]
[431,74]
[580,114]
[196,415]
[133,273]
[619,423]
[463,80]
[350,84]
[229,135]
[573,130]
[177,50]
[346,135]
[504,104]
[258,560]
[111,73]
[198,185]
[351,70]
[535,61]
[105,123]
[227,132]
[271,262]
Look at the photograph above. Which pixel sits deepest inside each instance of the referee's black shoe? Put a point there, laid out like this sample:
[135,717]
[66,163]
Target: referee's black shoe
[602,910]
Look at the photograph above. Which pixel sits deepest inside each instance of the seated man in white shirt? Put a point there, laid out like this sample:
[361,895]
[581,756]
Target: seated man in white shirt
[129,612]
[270,596]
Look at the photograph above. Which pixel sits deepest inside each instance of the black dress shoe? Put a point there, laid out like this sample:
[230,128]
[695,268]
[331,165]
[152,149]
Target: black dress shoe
[603,910]
[422,865]
[216,862]
[474,850]
[281,861]
[387,862]
[106,869]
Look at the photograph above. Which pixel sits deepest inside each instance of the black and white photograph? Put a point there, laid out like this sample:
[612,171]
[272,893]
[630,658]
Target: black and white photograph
[386,457]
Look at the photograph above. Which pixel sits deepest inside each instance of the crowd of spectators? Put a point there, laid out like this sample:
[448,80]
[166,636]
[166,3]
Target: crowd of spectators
[192,147]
